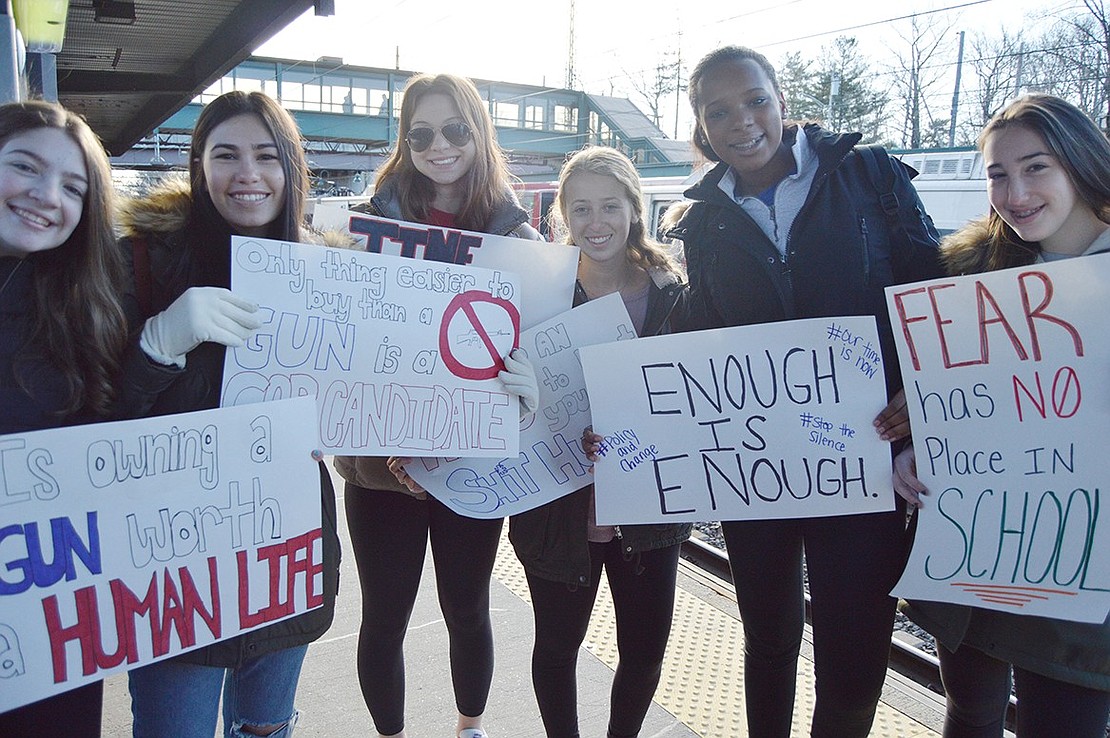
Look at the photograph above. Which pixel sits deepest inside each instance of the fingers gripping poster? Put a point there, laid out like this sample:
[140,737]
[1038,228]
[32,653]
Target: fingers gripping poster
[1007,380]
[402,356]
[126,543]
[748,423]
[551,462]
[546,270]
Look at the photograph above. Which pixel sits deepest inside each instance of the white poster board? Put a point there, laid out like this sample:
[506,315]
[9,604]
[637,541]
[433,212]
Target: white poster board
[551,462]
[755,422]
[546,270]
[126,543]
[1008,384]
[401,356]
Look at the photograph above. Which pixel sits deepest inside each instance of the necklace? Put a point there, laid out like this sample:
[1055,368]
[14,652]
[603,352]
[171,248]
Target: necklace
[11,274]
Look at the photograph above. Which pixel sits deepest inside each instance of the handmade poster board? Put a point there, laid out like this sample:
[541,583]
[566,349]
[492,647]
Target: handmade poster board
[754,422]
[126,543]
[1007,376]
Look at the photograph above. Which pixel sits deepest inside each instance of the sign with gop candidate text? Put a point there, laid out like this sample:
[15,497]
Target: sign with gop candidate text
[1007,379]
[126,543]
[551,462]
[546,270]
[402,356]
[747,423]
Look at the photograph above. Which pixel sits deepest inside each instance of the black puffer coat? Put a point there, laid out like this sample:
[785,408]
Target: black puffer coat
[841,253]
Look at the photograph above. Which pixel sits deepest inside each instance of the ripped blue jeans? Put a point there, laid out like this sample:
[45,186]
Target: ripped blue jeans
[180,699]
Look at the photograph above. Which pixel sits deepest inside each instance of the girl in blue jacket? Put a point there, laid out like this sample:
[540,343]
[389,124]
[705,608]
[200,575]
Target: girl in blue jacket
[792,224]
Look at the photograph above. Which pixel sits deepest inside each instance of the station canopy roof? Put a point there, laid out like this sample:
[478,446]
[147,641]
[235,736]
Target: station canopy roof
[126,78]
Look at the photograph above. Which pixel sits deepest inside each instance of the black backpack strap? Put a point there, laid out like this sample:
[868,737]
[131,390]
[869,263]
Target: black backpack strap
[882,179]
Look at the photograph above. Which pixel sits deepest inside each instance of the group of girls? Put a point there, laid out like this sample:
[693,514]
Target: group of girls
[789,224]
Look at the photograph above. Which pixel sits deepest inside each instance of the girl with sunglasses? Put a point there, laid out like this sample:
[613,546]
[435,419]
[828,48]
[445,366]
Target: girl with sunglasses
[447,171]
[1048,182]
[62,326]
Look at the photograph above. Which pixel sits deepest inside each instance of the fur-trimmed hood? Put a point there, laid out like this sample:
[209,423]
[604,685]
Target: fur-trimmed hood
[968,250]
[165,209]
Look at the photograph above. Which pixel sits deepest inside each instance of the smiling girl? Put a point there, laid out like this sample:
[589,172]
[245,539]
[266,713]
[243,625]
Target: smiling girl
[247,176]
[788,225]
[62,327]
[1048,182]
[562,548]
[447,171]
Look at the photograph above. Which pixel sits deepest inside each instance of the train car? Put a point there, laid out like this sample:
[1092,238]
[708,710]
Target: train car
[951,183]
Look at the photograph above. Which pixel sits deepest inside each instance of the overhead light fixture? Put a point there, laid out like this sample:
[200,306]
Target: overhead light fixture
[42,23]
[117,12]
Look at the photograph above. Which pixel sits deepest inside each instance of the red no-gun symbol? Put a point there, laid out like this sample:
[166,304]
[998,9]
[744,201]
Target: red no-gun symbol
[478,333]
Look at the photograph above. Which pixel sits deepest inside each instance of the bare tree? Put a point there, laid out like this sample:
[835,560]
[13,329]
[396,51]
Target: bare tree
[917,73]
[656,87]
[996,63]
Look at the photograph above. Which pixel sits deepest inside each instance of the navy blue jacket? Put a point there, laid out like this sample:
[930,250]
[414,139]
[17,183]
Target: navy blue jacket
[842,250]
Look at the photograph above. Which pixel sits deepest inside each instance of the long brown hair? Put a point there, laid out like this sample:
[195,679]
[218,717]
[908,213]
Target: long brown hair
[1075,142]
[486,181]
[78,324]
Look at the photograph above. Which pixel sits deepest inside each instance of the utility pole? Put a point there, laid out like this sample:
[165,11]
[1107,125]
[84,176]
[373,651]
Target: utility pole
[9,55]
[956,94]
[834,91]
[678,84]
[570,50]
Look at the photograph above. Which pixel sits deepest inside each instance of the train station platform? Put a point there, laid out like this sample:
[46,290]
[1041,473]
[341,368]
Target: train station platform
[700,694]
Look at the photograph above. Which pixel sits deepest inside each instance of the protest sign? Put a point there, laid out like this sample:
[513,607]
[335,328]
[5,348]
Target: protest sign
[401,356]
[748,423]
[127,543]
[546,270]
[1006,378]
[551,462]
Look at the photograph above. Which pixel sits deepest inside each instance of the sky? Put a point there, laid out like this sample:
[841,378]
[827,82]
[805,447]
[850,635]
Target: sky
[617,40]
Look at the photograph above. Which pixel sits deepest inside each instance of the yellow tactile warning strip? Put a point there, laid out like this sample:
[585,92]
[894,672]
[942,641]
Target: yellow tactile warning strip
[703,677]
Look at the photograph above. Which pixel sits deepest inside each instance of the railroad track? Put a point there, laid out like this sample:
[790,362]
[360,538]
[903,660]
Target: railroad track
[913,663]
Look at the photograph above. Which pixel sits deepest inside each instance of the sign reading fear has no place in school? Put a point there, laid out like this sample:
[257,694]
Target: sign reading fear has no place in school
[126,543]
[551,462]
[755,422]
[1007,379]
[401,355]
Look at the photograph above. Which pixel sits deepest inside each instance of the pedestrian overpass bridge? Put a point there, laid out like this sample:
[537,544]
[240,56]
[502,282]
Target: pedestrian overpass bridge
[348,116]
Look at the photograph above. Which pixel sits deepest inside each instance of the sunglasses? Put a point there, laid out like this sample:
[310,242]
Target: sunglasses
[419,139]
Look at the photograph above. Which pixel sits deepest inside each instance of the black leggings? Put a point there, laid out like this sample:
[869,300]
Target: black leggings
[852,562]
[389,534]
[643,599]
[978,691]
